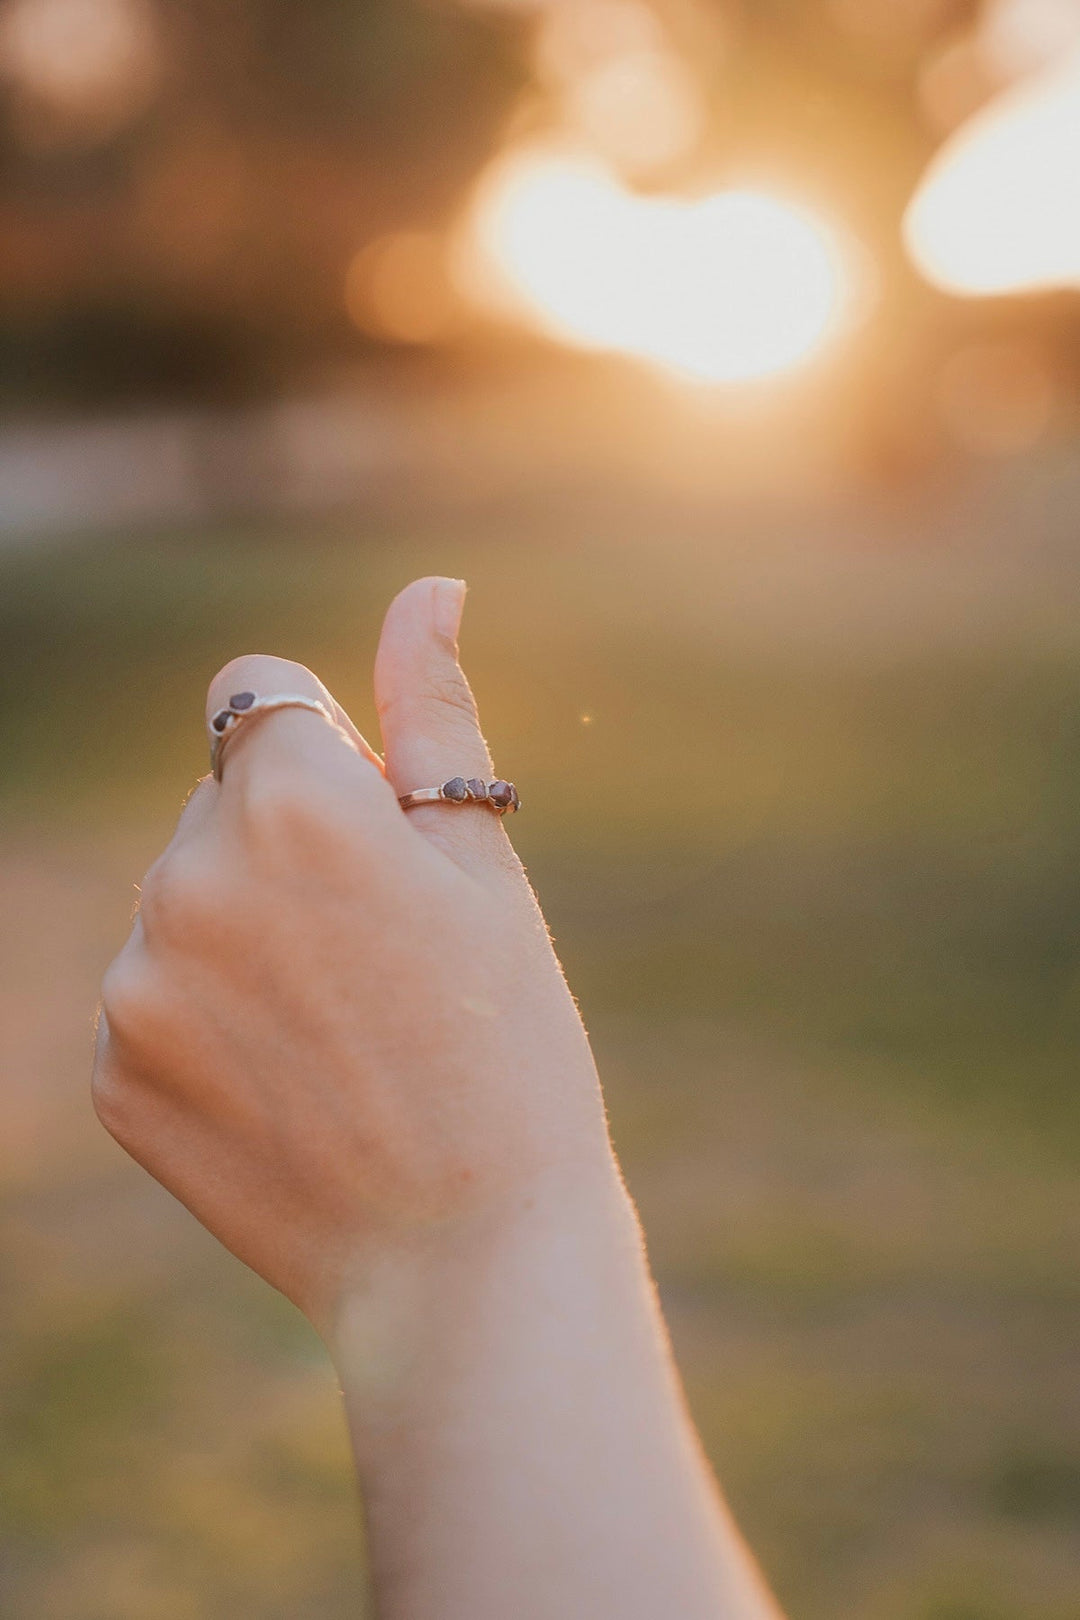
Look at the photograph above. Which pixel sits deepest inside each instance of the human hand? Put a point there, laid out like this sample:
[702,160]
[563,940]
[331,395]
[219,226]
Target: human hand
[338,1032]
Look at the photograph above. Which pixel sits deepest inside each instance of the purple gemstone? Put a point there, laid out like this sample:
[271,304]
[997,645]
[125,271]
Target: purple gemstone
[500,794]
[477,789]
[242,701]
[455,789]
[221,720]
[515,801]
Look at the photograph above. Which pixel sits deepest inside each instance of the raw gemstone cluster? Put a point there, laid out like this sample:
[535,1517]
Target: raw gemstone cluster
[237,704]
[500,795]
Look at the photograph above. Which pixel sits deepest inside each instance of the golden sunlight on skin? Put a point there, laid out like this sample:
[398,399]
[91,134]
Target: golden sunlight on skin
[999,208]
[723,288]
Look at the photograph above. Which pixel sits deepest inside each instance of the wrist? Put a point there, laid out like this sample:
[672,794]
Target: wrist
[568,1232]
[515,1392]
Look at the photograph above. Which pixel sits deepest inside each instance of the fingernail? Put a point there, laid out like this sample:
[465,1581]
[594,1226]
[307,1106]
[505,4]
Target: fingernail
[449,602]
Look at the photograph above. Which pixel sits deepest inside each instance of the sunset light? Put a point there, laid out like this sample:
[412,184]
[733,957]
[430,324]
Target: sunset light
[999,209]
[730,286]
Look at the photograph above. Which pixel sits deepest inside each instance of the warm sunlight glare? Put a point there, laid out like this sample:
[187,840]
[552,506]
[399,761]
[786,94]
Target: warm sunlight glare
[999,208]
[730,286]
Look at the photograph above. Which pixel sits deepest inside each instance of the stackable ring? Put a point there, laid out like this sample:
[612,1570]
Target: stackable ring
[499,796]
[245,706]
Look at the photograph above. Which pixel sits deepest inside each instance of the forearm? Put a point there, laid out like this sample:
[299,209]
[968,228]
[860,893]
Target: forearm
[520,1433]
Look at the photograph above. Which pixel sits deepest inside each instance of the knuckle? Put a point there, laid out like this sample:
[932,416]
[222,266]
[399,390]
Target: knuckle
[113,1100]
[124,997]
[138,1027]
[175,896]
[264,670]
[291,816]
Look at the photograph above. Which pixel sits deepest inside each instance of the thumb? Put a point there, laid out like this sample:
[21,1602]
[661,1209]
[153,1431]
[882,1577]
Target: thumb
[430,728]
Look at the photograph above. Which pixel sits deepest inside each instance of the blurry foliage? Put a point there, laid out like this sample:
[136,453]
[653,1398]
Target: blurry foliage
[200,250]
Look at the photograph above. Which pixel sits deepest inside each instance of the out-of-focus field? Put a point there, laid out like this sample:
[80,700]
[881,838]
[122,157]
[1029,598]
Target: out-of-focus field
[801,803]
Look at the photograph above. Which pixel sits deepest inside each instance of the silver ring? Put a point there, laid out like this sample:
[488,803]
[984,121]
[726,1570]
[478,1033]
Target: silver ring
[246,706]
[499,796]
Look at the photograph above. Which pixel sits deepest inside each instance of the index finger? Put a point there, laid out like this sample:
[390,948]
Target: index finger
[281,738]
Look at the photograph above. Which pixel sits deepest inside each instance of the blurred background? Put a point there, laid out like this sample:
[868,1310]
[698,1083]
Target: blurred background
[730,350]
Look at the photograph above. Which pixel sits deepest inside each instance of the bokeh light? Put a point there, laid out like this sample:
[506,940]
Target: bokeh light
[575,40]
[730,286]
[77,68]
[397,288]
[619,86]
[1020,36]
[999,209]
[642,109]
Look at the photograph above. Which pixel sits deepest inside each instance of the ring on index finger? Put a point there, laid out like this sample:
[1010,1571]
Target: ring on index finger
[245,707]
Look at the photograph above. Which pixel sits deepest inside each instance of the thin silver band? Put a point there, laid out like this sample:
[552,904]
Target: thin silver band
[227,721]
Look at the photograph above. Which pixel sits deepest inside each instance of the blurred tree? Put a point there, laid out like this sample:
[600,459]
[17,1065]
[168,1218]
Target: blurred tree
[179,200]
[185,186]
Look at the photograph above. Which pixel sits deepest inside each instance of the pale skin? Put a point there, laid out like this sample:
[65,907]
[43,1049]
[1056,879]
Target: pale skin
[340,1035]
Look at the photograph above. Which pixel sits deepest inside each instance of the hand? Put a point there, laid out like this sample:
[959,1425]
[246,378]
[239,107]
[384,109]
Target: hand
[338,1032]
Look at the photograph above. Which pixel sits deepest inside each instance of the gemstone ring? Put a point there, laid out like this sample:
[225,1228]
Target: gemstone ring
[499,796]
[245,706]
